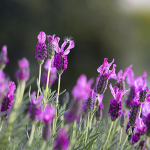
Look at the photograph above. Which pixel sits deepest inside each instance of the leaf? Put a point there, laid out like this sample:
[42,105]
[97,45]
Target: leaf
[99,125]
[38,86]
[91,142]
[58,124]
[95,135]
[112,145]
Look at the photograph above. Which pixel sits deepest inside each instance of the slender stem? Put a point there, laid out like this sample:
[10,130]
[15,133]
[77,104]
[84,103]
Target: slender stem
[73,133]
[140,110]
[32,134]
[43,145]
[108,135]
[120,137]
[58,90]
[1,125]
[87,128]
[125,141]
[47,82]
[39,78]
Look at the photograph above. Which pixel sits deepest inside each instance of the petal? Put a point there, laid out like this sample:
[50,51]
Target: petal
[126,71]
[41,37]
[112,91]
[120,74]
[71,45]
[130,77]
[63,45]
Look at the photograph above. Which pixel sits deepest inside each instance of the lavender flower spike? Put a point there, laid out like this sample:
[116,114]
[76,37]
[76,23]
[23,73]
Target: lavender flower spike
[23,72]
[116,103]
[8,99]
[3,57]
[47,117]
[35,107]
[104,76]
[121,77]
[61,141]
[41,51]
[52,44]
[60,59]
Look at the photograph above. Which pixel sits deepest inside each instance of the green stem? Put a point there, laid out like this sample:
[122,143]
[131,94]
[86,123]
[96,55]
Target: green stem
[32,134]
[87,128]
[43,145]
[108,135]
[39,78]
[140,110]
[125,141]
[73,134]
[47,82]
[120,137]
[58,90]
[1,125]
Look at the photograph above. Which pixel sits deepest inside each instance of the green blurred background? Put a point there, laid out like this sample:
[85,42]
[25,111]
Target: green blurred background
[99,28]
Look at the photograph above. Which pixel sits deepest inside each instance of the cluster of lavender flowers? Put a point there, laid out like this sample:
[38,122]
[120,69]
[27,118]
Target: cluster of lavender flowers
[78,127]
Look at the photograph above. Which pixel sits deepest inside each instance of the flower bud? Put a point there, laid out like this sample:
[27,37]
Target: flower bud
[46,131]
[122,119]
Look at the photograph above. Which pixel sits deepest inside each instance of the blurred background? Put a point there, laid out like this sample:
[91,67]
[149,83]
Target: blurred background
[110,28]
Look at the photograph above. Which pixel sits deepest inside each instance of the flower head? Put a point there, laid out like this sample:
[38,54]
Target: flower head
[60,60]
[116,103]
[23,72]
[41,51]
[61,141]
[9,98]
[104,75]
[82,87]
[35,107]
[48,114]
[3,57]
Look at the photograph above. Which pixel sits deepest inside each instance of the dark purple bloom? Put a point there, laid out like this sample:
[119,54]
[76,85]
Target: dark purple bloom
[143,94]
[41,51]
[23,72]
[134,113]
[116,103]
[82,87]
[3,57]
[104,76]
[61,141]
[9,98]
[35,107]
[60,59]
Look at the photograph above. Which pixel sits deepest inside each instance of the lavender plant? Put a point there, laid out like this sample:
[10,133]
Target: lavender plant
[80,126]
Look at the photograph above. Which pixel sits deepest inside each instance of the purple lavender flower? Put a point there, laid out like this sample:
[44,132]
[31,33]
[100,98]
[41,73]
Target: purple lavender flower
[116,103]
[35,107]
[143,94]
[8,99]
[52,44]
[139,129]
[88,102]
[23,72]
[121,77]
[104,76]
[47,117]
[134,113]
[3,57]
[82,87]
[60,59]
[61,141]
[98,101]
[53,73]
[41,51]
[139,81]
